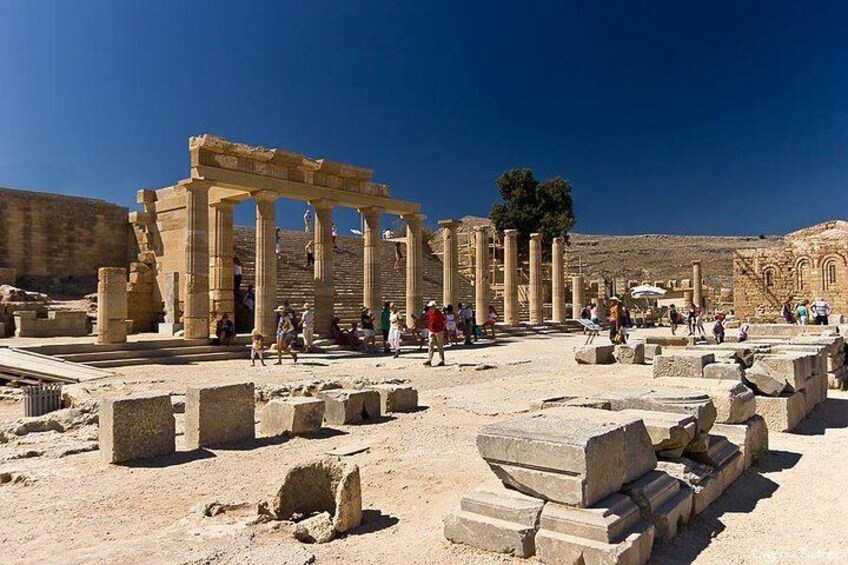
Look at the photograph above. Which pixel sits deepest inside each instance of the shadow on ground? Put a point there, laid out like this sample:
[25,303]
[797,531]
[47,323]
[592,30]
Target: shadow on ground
[831,414]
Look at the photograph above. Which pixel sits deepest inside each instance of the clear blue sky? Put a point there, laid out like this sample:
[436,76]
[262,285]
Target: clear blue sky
[673,117]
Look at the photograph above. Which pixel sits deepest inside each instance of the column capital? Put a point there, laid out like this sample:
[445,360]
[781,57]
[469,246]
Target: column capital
[322,203]
[535,236]
[450,223]
[195,184]
[483,228]
[559,240]
[224,203]
[414,217]
[510,232]
[696,262]
[265,195]
[372,211]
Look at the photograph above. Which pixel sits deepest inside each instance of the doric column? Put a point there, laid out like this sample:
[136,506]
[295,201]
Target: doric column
[537,312]
[558,280]
[111,305]
[511,277]
[323,273]
[372,294]
[196,280]
[266,263]
[578,296]
[414,271]
[482,287]
[221,299]
[697,284]
[450,261]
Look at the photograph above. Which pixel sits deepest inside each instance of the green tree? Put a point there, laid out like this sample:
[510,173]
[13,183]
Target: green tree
[530,206]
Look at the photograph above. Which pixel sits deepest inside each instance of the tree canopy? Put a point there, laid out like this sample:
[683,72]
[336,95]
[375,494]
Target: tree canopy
[530,206]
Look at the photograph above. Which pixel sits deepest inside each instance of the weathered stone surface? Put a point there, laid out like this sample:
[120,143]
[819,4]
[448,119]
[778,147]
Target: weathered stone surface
[324,485]
[292,416]
[724,371]
[765,380]
[396,398]
[594,354]
[666,399]
[661,502]
[751,437]
[795,368]
[219,414]
[782,413]
[740,353]
[705,483]
[683,364]
[612,531]
[734,402]
[315,529]
[652,350]
[350,406]
[812,394]
[494,518]
[137,426]
[630,354]
[718,453]
[667,430]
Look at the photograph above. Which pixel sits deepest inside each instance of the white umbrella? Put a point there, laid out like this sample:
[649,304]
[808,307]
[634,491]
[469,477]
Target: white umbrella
[647,291]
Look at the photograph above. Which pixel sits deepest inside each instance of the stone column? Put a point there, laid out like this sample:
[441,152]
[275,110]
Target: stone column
[323,273]
[578,296]
[414,271]
[558,280]
[196,283]
[688,298]
[111,305]
[482,286]
[697,284]
[537,312]
[221,298]
[511,277]
[266,264]
[450,261]
[372,294]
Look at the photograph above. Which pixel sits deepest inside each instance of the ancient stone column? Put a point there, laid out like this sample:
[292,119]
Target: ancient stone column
[578,296]
[414,270]
[558,280]
[221,299]
[450,261]
[266,263]
[482,286]
[196,280]
[323,273]
[372,284]
[511,277]
[697,284]
[537,312]
[688,297]
[111,305]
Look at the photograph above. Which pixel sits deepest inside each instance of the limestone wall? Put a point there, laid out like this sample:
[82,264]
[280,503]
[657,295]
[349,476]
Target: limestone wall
[56,243]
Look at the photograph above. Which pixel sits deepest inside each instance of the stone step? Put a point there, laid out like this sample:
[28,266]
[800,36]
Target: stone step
[181,359]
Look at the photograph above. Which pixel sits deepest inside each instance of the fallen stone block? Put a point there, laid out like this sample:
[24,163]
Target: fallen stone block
[396,398]
[652,350]
[324,485]
[661,502]
[665,399]
[795,368]
[765,380]
[704,482]
[630,354]
[136,426]
[719,452]
[724,371]
[294,416]
[742,354]
[594,354]
[782,413]
[835,344]
[219,414]
[611,531]
[750,437]
[315,529]
[820,361]
[812,394]
[734,402]
[684,364]
[343,406]
[823,385]
[668,431]
[494,518]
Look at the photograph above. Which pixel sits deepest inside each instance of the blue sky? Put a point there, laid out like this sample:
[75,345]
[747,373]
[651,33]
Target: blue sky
[700,118]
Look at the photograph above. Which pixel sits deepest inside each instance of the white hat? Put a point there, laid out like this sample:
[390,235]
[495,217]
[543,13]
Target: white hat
[431,304]
[615,298]
[280,309]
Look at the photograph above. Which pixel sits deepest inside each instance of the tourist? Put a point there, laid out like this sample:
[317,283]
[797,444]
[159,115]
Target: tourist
[385,322]
[278,241]
[475,327]
[368,333]
[616,320]
[491,320]
[307,221]
[593,313]
[398,255]
[225,330]
[387,234]
[341,337]
[803,312]
[673,318]
[467,315]
[237,272]
[418,330]
[586,313]
[285,334]
[310,254]
[395,327]
[699,321]
[307,326]
[436,331]
[821,310]
[335,233]
[743,333]
[718,331]
[787,312]
[257,348]
[249,300]
[626,324]
[691,318]
[450,326]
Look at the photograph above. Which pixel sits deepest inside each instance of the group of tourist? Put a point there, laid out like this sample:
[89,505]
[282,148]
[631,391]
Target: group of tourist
[802,313]
[618,315]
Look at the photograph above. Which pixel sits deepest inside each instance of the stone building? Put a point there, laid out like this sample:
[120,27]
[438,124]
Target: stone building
[811,263]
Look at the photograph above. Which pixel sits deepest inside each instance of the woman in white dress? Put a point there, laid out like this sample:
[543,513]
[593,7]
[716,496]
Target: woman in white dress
[395,326]
[450,325]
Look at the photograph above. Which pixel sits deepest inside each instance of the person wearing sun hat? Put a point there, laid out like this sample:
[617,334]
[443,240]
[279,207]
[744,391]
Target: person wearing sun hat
[285,333]
[616,320]
[307,326]
[257,348]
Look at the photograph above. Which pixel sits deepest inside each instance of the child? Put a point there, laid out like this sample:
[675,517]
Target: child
[718,331]
[257,348]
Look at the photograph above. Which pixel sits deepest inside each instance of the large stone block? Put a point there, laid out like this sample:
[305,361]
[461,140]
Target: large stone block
[350,406]
[724,371]
[665,399]
[765,380]
[661,502]
[718,453]
[630,354]
[812,394]
[734,402]
[669,432]
[494,518]
[594,354]
[292,416]
[219,414]
[782,413]
[396,398]
[794,367]
[740,353]
[706,483]
[137,426]
[684,364]
[751,437]
[652,350]
[611,532]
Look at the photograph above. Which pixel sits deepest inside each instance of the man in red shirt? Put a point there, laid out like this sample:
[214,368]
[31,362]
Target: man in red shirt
[436,322]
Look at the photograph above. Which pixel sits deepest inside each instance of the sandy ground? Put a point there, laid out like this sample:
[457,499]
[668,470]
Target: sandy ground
[74,509]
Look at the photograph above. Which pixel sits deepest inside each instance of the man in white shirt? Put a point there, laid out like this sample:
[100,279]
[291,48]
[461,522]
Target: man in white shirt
[307,324]
[307,221]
